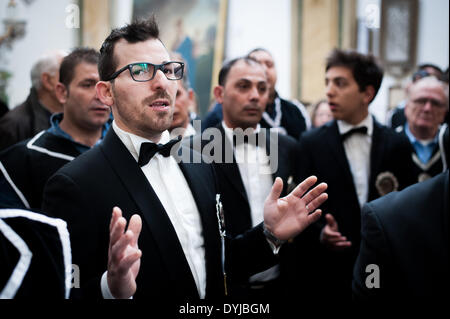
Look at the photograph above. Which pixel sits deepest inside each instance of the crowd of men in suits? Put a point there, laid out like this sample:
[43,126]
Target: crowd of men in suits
[240,215]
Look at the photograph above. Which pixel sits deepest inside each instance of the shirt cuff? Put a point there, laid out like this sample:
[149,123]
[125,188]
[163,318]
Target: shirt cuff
[106,293]
[275,249]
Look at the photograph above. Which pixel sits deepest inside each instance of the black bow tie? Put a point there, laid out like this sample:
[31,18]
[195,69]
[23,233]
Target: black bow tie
[148,150]
[360,130]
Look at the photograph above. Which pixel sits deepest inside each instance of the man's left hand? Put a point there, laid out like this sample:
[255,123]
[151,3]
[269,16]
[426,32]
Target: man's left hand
[288,216]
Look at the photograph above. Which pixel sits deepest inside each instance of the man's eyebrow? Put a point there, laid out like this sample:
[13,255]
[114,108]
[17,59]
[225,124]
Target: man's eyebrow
[88,80]
[335,78]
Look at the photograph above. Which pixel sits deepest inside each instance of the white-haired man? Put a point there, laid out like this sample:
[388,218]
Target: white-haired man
[425,110]
[33,115]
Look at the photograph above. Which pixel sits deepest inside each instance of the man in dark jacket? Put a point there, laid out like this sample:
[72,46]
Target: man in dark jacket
[33,115]
[26,166]
[359,159]
[404,247]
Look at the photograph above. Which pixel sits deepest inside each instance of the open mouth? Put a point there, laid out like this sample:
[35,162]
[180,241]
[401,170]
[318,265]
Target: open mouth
[160,104]
[333,106]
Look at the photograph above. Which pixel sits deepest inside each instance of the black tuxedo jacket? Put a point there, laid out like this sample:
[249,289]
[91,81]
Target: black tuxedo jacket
[406,234]
[234,196]
[29,164]
[84,192]
[321,153]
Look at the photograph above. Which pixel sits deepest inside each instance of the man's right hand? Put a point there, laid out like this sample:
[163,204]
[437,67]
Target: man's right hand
[124,256]
[331,237]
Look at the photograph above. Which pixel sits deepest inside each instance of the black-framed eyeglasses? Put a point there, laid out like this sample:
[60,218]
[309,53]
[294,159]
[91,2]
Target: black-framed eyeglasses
[145,71]
[434,103]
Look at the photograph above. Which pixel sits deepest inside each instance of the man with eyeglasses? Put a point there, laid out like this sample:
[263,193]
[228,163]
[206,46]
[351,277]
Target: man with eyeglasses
[425,110]
[174,247]
[396,117]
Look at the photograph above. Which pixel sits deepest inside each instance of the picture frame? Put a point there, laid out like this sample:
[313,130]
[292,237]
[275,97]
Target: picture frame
[196,30]
[398,34]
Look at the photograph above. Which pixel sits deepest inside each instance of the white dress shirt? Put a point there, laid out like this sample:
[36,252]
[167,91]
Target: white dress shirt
[170,185]
[254,168]
[357,148]
[188,131]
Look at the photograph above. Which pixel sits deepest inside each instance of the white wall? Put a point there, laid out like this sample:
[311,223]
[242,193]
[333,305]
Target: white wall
[432,47]
[251,23]
[45,30]
[262,23]
[433,37]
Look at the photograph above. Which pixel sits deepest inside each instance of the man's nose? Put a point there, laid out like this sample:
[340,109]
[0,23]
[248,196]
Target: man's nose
[254,94]
[428,106]
[329,89]
[159,82]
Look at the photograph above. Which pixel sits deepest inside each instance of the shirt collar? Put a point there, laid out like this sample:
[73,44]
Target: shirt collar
[56,129]
[188,131]
[133,142]
[229,131]
[344,127]
[413,139]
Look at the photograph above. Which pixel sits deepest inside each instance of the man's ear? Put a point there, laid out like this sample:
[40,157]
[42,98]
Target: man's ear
[218,93]
[369,94]
[407,108]
[61,93]
[47,81]
[104,92]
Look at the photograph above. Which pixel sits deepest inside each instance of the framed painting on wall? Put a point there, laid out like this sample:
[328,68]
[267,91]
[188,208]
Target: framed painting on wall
[195,29]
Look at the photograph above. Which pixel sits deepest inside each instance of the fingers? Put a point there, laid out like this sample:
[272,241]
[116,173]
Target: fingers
[117,229]
[116,213]
[135,226]
[343,244]
[313,217]
[331,222]
[118,249]
[332,237]
[314,193]
[304,186]
[127,262]
[277,188]
[317,202]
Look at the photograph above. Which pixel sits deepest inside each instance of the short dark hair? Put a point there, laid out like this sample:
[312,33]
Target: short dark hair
[422,71]
[430,65]
[69,63]
[365,68]
[226,67]
[138,31]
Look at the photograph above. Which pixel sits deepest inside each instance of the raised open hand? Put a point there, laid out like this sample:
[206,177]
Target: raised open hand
[288,216]
[124,256]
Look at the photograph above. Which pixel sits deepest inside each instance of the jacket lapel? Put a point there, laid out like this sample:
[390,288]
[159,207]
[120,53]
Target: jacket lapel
[376,152]
[201,188]
[151,209]
[229,170]
[336,146]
